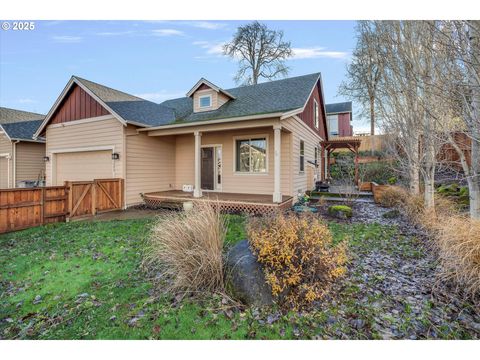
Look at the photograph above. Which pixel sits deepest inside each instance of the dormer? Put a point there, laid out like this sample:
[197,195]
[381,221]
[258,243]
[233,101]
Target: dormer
[207,96]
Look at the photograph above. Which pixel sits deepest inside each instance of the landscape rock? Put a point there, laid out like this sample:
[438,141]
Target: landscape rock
[245,276]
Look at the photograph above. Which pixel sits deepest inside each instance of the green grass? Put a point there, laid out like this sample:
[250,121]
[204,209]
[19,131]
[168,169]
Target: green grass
[92,287]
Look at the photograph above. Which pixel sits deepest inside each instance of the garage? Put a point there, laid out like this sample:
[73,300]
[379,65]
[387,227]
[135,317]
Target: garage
[83,166]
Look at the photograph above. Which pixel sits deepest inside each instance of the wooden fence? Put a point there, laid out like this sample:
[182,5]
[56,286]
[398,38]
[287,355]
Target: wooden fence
[22,208]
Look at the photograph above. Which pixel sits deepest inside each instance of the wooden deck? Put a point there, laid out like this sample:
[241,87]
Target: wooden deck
[228,202]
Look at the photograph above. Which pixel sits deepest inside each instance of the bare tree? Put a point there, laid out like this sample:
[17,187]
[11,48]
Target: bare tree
[261,53]
[364,71]
[460,45]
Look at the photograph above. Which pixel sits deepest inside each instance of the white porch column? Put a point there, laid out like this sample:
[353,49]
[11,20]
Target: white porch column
[197,191]
[277,146]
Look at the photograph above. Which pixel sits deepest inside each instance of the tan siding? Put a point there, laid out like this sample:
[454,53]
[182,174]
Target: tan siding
[222,99]
[107,132]
[29,163]
[150,164]
[6,169]
[301,132]
[83,166]
[234,182]
[196,100]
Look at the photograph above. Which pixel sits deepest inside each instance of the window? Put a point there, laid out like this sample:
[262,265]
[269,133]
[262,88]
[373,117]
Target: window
[205,101]
[302,156]
[315,113]
[333,124]
[251,155]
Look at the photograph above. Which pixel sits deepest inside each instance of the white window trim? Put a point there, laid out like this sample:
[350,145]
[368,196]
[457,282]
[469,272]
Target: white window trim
[200,101]
[316,117]
[299,154]
[249,137]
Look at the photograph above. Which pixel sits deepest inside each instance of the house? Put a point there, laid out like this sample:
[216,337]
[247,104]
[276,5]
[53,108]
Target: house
[21,156]
[258,143]
[339,117]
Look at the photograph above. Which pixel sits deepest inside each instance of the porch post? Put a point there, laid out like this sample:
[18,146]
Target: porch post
[197,191]
[277,146]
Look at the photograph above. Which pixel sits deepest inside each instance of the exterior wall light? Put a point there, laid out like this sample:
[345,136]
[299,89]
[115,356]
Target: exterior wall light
[115,156]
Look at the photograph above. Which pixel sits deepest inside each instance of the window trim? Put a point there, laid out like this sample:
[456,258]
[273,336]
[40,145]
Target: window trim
[250,137]
[316,113]
[200,97]
[300,156]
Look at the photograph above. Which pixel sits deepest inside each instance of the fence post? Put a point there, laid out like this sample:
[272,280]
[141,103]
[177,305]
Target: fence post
[68,188]
[42,206]
[94,197]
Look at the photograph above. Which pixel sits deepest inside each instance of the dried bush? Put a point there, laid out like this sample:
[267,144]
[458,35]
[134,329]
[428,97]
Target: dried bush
[393,196]
[299,259]
[458,242]
[184,251]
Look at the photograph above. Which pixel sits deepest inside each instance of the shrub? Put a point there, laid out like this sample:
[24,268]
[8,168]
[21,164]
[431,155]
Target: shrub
[184,251]
[298,257]
[393,196]
[340,210]
[458,243]
[379,172]
[392,180]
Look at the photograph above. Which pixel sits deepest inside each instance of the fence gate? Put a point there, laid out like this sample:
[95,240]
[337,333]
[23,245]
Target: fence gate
[87,198]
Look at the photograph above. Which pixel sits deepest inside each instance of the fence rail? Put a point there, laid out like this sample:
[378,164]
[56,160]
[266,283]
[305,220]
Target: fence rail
[22,208]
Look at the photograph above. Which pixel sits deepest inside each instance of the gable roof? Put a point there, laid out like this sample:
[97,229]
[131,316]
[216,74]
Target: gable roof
[265,98]
[274,97]
[204,81]
[130,108]
[22,130]
[8,115]
[336,108]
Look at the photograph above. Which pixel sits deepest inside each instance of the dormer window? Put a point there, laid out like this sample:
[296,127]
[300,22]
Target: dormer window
[207,96]
[205,101]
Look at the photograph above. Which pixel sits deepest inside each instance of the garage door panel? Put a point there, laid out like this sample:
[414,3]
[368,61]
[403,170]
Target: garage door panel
[83,166]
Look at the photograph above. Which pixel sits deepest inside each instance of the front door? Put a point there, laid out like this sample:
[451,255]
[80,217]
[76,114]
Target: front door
[208,168]
[211,168]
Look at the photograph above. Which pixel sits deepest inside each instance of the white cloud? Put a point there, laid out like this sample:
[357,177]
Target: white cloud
[214,48]
[27,101]
[162,95]
[115,33]
[209,25]
[66,39]
[167,32]
[317,52]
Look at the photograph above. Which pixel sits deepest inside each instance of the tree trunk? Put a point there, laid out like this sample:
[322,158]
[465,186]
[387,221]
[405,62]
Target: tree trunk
[414,175]
[474,179]
[372,115]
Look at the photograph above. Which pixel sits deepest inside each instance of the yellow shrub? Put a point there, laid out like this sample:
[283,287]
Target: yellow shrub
[299,260]
[393,196]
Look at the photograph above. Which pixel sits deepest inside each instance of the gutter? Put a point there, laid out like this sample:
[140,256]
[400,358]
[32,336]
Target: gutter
[209,122]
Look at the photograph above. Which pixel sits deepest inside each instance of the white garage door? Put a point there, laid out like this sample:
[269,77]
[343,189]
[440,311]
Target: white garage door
[83,166]
[3,172]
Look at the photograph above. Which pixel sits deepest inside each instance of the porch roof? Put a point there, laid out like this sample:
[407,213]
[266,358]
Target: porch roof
[346,142]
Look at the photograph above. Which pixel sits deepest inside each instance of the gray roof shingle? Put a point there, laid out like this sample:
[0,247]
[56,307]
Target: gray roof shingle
[265,98]
[342,107]
[8,115]
[22,130]
[131,108]
[269,97]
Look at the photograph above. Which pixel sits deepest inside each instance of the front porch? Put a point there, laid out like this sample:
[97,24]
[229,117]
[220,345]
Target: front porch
[228,202]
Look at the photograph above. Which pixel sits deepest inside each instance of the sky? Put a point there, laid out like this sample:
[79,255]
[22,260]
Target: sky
[156,60]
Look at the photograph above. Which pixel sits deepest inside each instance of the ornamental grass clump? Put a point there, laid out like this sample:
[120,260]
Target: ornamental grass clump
[184,252]
[298,256]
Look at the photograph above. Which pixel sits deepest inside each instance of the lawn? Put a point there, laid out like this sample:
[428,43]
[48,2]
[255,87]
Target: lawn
[83,280]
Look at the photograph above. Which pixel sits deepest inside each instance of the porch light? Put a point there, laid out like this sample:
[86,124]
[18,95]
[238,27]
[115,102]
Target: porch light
[46,158]
[115,156]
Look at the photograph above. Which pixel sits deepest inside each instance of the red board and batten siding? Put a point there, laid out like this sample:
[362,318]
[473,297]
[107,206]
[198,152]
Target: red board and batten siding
[308,113]
[344,127]
[77,105]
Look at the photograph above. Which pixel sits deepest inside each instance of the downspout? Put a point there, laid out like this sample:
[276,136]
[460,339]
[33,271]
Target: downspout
[14,175]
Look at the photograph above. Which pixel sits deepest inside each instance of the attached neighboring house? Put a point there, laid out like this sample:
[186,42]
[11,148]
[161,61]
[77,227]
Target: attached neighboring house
[339,117]
[21,156]
[253,140]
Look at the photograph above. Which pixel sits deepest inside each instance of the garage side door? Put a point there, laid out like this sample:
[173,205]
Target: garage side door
[3,172]
[83,166]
